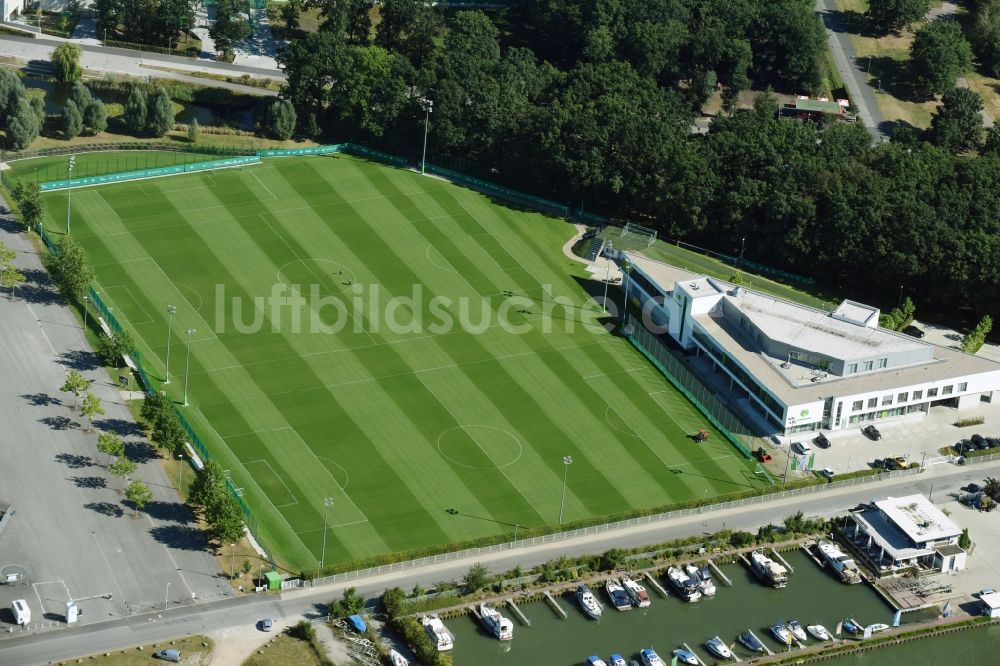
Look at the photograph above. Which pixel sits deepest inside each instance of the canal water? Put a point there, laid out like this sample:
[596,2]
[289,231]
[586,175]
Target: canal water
[812,596]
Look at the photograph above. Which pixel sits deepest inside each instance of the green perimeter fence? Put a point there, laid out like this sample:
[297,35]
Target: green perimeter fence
[93,298]
[731,426]
[702,397]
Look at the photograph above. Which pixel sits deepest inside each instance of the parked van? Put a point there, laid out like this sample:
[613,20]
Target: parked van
[22,614]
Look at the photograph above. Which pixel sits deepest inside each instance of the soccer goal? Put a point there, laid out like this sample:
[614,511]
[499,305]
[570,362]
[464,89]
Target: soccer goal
[638,233]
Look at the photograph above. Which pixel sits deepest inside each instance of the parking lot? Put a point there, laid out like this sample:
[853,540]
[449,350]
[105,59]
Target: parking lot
[72,536]
[913,438]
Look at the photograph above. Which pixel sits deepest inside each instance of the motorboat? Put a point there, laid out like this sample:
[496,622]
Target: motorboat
[357,623]
[617,660]
[616,593]
[397,659]
[442,638]
[718,647]
[594,660]
[685,656]
[588,602]
[877,627]
[496,623]
[750,641]
[819,632]
[680,581]
[851,626]
[703,578]
[782,633]
[636,592]
[768,570]
[842,565]
[797,630]
[649,658]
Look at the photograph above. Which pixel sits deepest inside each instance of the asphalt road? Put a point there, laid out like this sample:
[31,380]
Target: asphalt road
[72,536]
[844,57]
[63,643]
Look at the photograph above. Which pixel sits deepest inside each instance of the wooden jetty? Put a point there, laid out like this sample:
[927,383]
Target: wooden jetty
[808,551]
[655,584]
[718,572]
[555,605]
[766,649]
[688,648]
[517,613]
[787,565]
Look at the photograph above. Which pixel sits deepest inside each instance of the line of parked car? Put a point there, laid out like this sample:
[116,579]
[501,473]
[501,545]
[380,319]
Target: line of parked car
[890,464]
[976,442]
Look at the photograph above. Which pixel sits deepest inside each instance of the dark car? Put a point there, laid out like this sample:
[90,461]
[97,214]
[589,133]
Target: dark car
[973,488]
[964,446]
[878,463]
[168,655]
[821,441]
[977,439]
[872,432]
[892,464]
[981,443]
[913,331]
[993,442]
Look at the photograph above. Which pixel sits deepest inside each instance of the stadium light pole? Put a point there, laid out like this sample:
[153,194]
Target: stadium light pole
[327,503]
[626,269]
[607,278]
[69,192]
[567,461]
[170,316]
[187,364]
[428,109]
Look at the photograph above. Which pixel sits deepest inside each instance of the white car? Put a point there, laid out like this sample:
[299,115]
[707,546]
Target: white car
[828,473]
[801,447]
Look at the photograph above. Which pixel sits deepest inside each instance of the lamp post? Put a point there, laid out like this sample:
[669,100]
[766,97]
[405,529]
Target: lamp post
[607,278]
[232,570]
[567,461]
[86,299]
[327,503]
[187,363]
[743,245]
[900,303]
[428,109]
[69,192]
[166,597]
[170,316]
[180,474]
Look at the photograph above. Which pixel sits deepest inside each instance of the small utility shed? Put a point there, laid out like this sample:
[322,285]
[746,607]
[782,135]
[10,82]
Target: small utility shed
[273,580]
[991,604]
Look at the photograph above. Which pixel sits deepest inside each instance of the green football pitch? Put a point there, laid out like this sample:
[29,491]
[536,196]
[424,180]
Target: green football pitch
[430,421]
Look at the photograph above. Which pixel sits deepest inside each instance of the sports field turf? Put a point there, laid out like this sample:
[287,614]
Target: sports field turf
[421,437]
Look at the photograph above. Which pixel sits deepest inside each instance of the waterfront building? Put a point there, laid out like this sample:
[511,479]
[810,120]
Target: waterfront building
[991,604]
[906,532]
[790,368]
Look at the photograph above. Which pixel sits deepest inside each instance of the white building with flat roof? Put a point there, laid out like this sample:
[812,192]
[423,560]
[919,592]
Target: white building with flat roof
[9,7]
[799,368]
[903,532]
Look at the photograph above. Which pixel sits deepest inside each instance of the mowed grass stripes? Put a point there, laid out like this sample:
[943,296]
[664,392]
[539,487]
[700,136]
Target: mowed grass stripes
[432,361]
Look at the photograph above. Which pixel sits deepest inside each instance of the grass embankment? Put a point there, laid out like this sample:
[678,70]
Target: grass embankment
[195,650]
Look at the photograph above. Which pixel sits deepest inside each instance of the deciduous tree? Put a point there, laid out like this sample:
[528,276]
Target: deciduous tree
[71,269]
[95,116]
[10,277]
[279,119]
[122,467]
[139,494]
[91,407]
[161,113]
[135,112]
[957,124]
[893,15]
[110,444]
[938,56]
[66,62]
[72,120]
[30,202]
[112,348]
[23,124]
[76,384]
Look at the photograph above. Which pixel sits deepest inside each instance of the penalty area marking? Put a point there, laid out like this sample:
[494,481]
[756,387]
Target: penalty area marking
[611,410]
[342,271]
[446,266]
[280,480]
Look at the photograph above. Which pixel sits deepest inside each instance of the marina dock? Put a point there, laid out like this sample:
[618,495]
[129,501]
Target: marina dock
[517,613]
[554,604]
[736,657]
[757,638]
[688,648]
[719,574]
[475,613]
[782,560]
[655,584]
[808,551]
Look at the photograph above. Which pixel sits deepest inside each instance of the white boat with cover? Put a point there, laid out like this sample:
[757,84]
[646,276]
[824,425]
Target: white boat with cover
[636,592]
[439,634]
[768,570]
[842,565]
[496,623]
[718,647]
[797,630]
[782,633]
[682,583]
[703,577]
[819,632]
[588,602]
[398,659]
[616,593]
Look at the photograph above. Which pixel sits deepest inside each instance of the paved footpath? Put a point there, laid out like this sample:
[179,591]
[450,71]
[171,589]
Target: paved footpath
[244,611]
[73,534]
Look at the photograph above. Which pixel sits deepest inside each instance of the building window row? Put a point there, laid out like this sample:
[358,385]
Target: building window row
[905,396]
[742,375]
[867,366]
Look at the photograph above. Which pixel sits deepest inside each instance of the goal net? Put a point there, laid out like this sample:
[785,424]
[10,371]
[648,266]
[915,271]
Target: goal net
[638,234]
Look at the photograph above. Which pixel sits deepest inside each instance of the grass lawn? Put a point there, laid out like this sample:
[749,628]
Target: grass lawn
[429,422]
[193,649]
[283,650]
